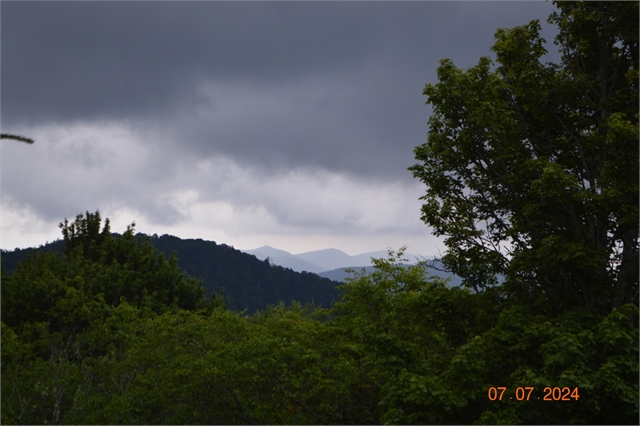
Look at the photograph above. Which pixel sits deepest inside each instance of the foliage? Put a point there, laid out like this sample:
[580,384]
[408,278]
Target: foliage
[436,351]
[55,310]
[97,265]
[108,332]
[280,366]
[112,332]
[400,347]
[531,169]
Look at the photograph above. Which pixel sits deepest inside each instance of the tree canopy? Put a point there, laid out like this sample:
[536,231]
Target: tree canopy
[532,168]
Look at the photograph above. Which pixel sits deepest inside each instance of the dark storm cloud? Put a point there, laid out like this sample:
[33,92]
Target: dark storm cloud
[70,61]
[332,85]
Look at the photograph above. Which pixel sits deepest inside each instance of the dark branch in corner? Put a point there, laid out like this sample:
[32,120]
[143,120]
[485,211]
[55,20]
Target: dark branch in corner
[16,137]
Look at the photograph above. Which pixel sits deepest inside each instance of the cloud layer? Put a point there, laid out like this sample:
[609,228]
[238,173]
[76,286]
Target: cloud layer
[293,122]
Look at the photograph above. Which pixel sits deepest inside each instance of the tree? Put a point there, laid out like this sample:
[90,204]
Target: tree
[125,266]
[279,366]
[532,168]
[434,352]
[67,320]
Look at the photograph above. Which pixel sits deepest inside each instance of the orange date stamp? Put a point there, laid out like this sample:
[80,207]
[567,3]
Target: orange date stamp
[526,393]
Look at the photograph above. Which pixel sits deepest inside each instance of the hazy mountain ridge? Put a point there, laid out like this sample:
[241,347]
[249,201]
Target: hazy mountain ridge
[285,259]
[320,261]
[333,263]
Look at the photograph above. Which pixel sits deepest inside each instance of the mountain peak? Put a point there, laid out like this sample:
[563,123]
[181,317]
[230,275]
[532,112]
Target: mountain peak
[318,260]
[327,251]
[268,251]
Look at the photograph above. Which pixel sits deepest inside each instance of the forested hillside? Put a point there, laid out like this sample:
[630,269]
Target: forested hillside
[11,258]
[247,282]
[531,173]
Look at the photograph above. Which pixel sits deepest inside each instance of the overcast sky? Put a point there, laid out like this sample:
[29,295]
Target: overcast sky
[280,123]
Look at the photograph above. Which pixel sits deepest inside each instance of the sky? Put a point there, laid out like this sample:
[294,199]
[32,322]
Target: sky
[289,124]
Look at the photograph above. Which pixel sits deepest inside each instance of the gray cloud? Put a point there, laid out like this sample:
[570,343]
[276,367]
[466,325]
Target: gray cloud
[304,115]
[335,85]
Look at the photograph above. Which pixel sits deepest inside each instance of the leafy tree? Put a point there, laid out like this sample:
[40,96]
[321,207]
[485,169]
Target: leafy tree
[531,172]
[532,168]
[64,316]
[129,267]
[408,324]
[434,352]
[280,366]
[97,265]
[578,350]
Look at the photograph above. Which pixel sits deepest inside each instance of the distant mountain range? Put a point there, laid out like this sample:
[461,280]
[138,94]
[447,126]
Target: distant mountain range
[332,263]
[321,260]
